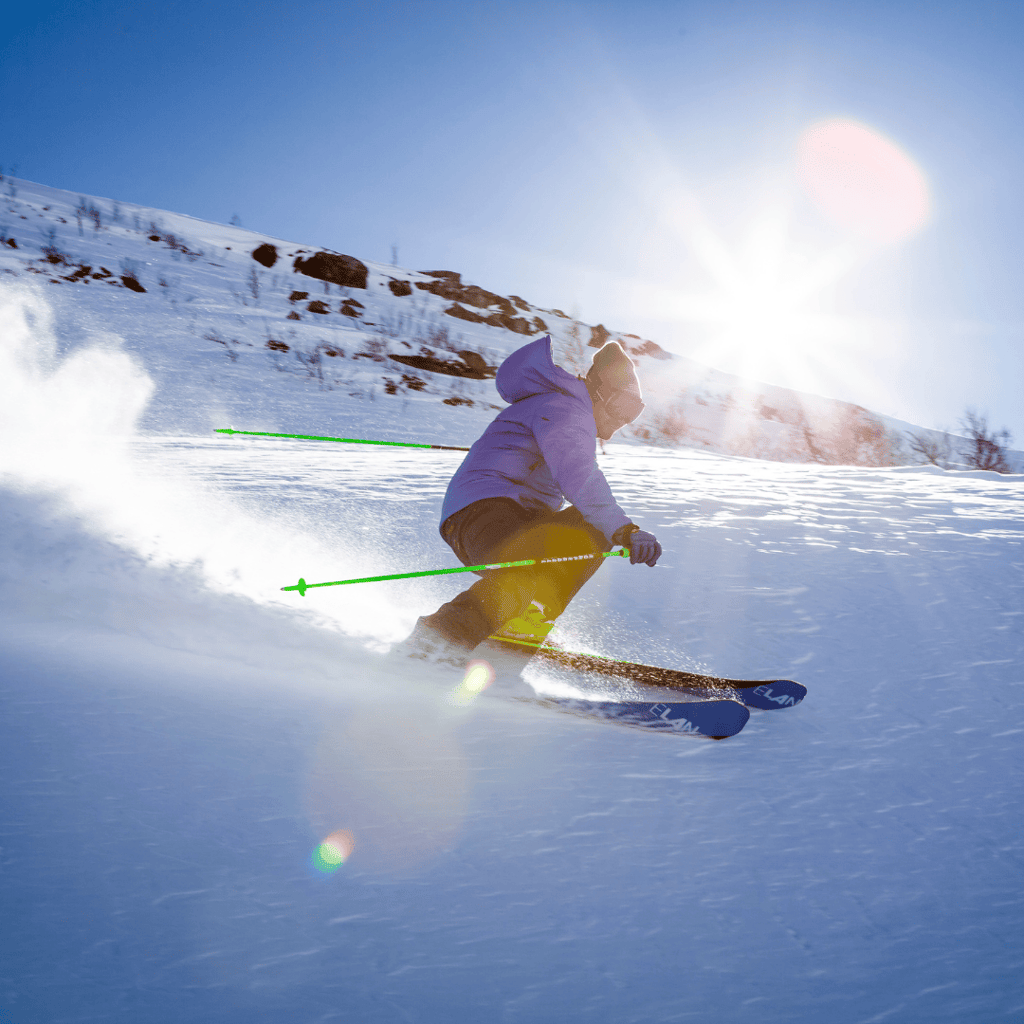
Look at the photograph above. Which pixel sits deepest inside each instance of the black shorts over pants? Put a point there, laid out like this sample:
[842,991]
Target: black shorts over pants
[501,530]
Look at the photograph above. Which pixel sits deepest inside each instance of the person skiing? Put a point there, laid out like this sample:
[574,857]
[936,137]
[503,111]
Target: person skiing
[504,502]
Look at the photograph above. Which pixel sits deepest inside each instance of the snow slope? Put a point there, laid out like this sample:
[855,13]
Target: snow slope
[178,735]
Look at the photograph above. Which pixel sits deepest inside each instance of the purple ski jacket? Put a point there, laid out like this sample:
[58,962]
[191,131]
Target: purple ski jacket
[541,449]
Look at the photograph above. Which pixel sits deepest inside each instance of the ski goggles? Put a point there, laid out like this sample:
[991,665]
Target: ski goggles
[622,405]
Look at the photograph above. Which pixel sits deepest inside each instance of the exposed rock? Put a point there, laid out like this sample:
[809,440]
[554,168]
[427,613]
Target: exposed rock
[298,296]
[12,243]
[598,336]
[481,298]
[648,348]
[457,400]
[516,324]
[473,360]
[277,346]
[346,271]
[316,306]
[521,303]
[479,370]
[539,325]
[399,288]
[351,308]
[293,316]
[265,254]
[448,274]
[464,314]
[450,288]
[132,282]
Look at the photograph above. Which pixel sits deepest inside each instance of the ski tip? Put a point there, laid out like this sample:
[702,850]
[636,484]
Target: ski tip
[774,694]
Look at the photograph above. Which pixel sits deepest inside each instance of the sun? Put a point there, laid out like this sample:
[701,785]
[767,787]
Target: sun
[766,312]
[766,309]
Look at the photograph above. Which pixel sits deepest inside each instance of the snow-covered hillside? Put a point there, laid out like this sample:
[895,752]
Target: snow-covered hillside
[178,735]
[294,339]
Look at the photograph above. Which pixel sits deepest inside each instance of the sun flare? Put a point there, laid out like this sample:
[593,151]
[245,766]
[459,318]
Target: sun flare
[766,312]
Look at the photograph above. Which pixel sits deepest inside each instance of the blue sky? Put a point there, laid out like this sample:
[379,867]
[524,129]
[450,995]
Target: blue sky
[633,163]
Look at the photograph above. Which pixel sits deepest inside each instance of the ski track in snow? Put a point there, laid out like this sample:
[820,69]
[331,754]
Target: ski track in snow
[176,740]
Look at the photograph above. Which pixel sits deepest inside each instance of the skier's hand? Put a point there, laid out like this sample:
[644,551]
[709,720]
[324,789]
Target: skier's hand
[643,547]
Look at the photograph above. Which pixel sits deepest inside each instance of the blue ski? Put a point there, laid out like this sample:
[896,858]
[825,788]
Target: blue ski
[715,718]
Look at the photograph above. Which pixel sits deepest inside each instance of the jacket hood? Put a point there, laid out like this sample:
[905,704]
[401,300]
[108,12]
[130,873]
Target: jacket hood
[530,371]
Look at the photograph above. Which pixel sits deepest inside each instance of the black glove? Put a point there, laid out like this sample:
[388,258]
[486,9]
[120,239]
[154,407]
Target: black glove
[642,546]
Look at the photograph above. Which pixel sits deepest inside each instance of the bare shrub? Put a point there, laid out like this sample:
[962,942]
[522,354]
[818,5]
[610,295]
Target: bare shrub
[854,438]
[373,348]
[669,426]
[438,335]
[215,337]
[935,450]
[574,352]
[986,449]
[860,439]
[313,361]
[816,452]
[394,325]
[254,283]
[52,251]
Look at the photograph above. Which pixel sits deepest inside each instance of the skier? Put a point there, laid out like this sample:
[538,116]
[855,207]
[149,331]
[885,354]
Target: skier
[504,502]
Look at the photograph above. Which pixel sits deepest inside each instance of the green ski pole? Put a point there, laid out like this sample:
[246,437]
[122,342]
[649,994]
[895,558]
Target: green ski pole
[302,586]
[342,440]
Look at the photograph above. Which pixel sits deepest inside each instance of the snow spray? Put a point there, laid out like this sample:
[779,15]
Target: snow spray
[70,406]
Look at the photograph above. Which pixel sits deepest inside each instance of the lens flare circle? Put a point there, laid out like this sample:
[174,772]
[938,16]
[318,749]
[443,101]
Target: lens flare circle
[861,181]
[477,677]
[333,851]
